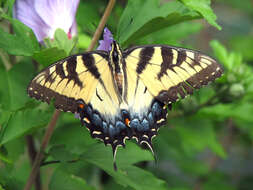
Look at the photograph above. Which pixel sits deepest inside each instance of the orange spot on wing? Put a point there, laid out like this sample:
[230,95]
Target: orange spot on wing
[81,106]
[127,121]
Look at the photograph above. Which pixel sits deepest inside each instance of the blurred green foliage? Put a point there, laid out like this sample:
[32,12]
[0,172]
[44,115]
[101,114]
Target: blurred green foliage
[207,142]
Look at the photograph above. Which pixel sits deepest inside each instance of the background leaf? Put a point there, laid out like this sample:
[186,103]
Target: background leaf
[65,181]
[23,42]
[140,17]
[203,7]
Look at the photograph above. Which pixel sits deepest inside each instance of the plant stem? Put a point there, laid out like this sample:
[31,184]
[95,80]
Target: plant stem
[57,162]
[101,25]
[32,154]
[12,57]
[39,156]
[51,125]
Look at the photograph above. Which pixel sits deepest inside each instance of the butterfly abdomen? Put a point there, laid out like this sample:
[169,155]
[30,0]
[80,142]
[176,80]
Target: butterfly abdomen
[119,81]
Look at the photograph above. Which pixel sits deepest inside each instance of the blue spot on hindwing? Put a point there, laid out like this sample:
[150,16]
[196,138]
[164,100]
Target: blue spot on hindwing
[112,130]
[145,125]
[105,127]
[135,123]
[88,111]
[120,125]
[151,119]
[156,109]
[96,120]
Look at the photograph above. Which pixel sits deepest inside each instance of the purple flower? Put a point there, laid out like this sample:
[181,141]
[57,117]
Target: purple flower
[106,43]
[45,16]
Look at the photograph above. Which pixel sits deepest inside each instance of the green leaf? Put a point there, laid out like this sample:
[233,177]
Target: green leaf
[49,56]
[83,41]
[127,175]
[61,41]
[22,42]
[13,84]
[66,181]
[59,152]
[192,133]
[244,45]
[219,181]
[133,153]
[22,122]
[220,52]
[16,176]
[1,188]
[3,155]
[172,35]
[88,15]
[139,179]
[140,17]
[74,137]
[237,72]
[204,8]
[224,111]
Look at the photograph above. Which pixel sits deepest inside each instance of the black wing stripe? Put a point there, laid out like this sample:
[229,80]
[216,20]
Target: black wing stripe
[181,57]
[48,77]
[145,56]
[59,70]
[167,56]
[72,74]
[89,62]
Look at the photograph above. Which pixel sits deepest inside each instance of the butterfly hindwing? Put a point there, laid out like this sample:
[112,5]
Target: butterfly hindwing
[169,72]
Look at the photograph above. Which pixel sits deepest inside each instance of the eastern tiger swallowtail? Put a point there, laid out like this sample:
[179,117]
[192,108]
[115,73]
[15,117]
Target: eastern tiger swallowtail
[124,94]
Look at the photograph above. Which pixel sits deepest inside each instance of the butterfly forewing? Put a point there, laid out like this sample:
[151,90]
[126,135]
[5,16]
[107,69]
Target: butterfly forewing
[169,72]
[69,80]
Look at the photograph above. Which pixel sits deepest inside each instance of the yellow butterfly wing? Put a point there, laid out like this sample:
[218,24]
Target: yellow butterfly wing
[169,72]
[86,77]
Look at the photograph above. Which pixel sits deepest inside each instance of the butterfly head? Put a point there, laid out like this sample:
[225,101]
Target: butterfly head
[115,56]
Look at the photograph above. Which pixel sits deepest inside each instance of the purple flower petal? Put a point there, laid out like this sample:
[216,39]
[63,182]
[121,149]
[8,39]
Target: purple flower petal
[57,13]
[106,43]
[45,16]
[73,29]
[23,10]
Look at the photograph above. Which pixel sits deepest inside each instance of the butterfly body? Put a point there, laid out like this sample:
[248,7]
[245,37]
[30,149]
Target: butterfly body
[122,95]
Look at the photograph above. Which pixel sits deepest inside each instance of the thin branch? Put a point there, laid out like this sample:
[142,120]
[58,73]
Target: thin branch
[40,155]
[51,125]
[32,154]
[101,25]
[58,161]
[13,60]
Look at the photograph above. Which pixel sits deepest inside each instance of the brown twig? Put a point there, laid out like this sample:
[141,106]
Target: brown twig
[32,154]
[58,161]
[40,155]
[51,125]
[12,57]
[101,25]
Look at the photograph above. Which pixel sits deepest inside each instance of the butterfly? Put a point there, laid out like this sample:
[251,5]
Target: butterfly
[123,95]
